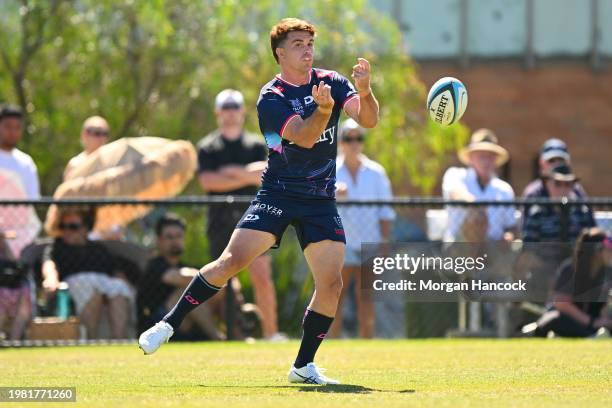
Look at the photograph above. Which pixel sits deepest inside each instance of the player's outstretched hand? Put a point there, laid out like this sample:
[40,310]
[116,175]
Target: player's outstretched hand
[322,96]
[361,75]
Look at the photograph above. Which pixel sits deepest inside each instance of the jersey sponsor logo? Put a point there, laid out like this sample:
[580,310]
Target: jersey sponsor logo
[268,209]
[309,100]
[297,106]
[251,217]
[328,134]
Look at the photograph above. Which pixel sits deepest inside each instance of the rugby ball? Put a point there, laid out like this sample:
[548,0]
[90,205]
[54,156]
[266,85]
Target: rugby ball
[447,101]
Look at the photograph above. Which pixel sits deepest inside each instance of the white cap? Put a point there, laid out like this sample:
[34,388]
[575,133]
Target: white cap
[350,125]
[229,97]
[553,148]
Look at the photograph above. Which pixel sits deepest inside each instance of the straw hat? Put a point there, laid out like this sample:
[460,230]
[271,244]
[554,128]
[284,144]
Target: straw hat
[484,140]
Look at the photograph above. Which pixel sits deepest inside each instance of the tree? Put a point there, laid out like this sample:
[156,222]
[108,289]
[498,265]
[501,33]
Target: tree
[154,66]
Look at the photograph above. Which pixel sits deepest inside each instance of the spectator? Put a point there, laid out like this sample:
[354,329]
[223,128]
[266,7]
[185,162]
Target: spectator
[15,302]
[13,159]
[94,133]
[18,179]
[359,178]
[89,270]
[478,182]
[544,224]
[579,306]
[231,161]
[553,152]
[165,279]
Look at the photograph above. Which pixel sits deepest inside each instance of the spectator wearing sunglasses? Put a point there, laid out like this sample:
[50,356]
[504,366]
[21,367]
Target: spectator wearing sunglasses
[543,223]
[90,271]
[360,178]
[554,152]
[94,134]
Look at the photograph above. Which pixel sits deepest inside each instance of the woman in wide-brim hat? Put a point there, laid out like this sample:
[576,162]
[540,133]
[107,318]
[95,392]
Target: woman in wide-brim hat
[484,140]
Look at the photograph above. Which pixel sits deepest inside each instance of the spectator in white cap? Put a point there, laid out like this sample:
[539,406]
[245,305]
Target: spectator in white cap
[231,162]
[360,178]
[554,152]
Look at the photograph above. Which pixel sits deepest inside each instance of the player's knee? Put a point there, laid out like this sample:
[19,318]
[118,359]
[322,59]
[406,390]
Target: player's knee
[231,263]
[332,286]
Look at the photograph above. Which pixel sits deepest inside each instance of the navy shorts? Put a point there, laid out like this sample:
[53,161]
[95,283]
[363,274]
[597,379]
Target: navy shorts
[313,220]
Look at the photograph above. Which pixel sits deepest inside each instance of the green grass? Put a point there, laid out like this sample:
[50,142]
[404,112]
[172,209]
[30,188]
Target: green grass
[403,373]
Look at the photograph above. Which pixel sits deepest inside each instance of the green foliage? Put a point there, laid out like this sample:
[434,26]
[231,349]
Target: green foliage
[154,67]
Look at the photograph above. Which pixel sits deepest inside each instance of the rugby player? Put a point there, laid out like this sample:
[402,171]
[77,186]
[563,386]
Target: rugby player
[298,113]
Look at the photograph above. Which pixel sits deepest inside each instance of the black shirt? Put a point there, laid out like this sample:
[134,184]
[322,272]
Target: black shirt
[214,152]
[588,293]
[152,291]
[72,259]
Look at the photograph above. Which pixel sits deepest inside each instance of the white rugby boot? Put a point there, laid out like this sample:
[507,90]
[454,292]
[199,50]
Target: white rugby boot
[150,340]
[310,374]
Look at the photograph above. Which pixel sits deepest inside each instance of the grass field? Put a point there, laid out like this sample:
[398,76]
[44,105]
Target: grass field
[438,373]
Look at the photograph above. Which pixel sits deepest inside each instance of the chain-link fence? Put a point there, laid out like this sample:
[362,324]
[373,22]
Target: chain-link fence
[103,269]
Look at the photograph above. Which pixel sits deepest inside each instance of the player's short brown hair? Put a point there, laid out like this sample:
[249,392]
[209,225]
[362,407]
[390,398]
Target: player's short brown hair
[279,32]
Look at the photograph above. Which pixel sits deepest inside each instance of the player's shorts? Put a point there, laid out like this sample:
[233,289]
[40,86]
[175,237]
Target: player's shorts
[313,220]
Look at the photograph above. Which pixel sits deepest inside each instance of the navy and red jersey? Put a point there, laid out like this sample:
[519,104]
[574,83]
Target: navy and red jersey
[294,170]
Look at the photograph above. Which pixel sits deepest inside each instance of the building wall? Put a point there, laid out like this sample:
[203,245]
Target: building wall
[499,28]
[525,107]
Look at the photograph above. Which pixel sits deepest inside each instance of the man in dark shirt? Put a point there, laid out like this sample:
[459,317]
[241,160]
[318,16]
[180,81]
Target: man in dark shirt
[165,279]
[543,223]
[231,161]
[298,115]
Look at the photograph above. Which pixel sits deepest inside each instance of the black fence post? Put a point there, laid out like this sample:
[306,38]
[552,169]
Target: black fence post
[565,220]
[564,231]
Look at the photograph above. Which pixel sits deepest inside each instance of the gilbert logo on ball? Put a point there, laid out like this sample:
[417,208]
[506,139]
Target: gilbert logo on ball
[447,101]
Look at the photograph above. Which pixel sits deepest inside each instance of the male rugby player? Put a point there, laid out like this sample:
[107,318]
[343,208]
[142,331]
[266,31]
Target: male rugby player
[298,115]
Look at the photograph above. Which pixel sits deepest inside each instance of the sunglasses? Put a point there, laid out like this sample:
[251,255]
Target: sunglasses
[72,226]
[97,131]
[358,139]
[230,106]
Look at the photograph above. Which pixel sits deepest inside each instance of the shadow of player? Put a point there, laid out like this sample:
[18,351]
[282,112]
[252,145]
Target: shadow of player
[346,389]
[336,389]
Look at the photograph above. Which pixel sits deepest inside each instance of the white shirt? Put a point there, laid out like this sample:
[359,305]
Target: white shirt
[23,166]
[500,218]
[362,223]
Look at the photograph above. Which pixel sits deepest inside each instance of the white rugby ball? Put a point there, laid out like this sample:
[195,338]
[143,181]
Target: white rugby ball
[447,101]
